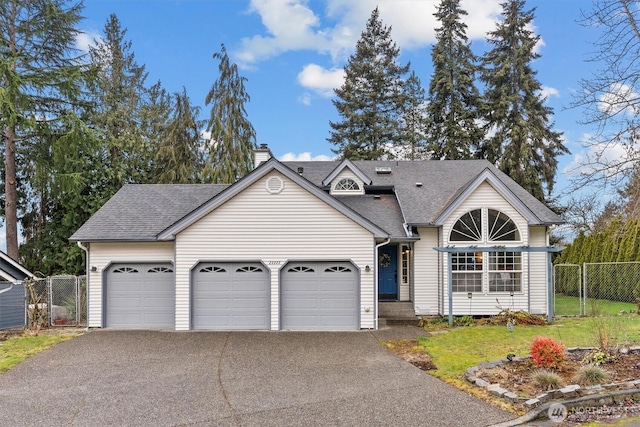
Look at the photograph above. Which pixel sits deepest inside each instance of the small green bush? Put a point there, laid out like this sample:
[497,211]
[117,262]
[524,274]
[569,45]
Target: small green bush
[547,380]
[597,358]
[546,353]
[590,375]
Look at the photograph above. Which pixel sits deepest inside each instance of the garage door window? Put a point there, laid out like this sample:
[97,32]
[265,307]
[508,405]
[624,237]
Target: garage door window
[301,269]
[337,269]
[125,270]
[249,269]
[160,270]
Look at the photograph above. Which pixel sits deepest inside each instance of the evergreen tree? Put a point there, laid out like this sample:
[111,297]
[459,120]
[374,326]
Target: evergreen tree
[119,97]
[40,77]
[232,135]
[454,100]
[370,101]
[178,159]
[414,121]
[523,143]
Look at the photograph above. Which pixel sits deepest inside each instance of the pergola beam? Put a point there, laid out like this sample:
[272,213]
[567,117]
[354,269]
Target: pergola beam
[499,248]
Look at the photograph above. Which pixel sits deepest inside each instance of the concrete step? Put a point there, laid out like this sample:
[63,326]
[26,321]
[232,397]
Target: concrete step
[396,313]
[396,309]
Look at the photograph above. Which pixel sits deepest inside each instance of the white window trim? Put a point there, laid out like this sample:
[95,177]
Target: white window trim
[485,230]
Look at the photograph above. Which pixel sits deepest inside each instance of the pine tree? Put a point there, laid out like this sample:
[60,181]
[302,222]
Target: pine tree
[523,143]
[233,138]
[119,96]
[370,101]
[178,159]
[454,100]
[414,121]
[40,76]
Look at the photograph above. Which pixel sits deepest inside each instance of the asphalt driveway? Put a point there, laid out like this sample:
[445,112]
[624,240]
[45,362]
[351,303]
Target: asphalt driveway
[143,378]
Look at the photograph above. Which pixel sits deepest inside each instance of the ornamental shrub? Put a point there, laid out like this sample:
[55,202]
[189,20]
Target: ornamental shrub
[546,353]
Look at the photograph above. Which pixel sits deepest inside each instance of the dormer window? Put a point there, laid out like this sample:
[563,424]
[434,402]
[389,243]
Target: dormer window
[347,184]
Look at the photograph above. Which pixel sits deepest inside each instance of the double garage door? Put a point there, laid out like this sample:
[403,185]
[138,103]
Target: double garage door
[236,296]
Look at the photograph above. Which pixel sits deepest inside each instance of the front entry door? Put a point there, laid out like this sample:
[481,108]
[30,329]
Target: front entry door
[388,273]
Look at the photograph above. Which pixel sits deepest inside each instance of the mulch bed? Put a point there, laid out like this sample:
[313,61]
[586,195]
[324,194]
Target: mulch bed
[517,376]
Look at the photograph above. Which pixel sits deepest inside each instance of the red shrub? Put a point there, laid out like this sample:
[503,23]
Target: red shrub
[546,353]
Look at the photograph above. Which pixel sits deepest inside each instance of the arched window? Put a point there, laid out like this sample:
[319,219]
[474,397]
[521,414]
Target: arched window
[347,184]
[501,227]
[468,228]
[478,271]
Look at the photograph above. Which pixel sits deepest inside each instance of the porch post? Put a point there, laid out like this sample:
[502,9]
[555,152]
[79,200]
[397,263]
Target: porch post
[549,288]
[450,287]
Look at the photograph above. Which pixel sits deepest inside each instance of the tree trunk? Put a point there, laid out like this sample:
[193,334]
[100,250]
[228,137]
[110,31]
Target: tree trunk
[10,194]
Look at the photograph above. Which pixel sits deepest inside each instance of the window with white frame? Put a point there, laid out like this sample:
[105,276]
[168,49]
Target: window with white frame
[493,272]
[405,254]
[505,272]
[466,271]
[347,184]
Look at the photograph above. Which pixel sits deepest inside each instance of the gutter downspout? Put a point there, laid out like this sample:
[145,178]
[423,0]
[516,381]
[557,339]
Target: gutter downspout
[8,289]
[375,279]
[86,269]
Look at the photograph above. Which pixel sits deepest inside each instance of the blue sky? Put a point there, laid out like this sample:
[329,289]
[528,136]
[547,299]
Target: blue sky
[292,52]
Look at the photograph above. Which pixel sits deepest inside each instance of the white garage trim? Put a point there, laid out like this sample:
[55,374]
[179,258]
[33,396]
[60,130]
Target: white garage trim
[230,296]
[139,295]
[320,295]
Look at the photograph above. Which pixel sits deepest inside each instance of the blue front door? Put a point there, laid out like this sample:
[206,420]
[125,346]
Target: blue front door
[388,272]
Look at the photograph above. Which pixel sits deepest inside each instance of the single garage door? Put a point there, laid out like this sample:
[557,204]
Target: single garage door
[320,296]
[140,296]
[230,296]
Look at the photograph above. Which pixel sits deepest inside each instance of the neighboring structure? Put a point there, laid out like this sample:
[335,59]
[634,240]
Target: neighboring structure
[12,292]
[315,246]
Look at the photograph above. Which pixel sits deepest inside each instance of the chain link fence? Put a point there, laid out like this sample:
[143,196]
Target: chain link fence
[601,288]
[568,291]
[57,301]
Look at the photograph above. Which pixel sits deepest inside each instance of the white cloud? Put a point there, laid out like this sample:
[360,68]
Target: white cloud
[320,80]
[292,25]
[620,98]
[548,91]
[303,157]
[614,158]
[86,39]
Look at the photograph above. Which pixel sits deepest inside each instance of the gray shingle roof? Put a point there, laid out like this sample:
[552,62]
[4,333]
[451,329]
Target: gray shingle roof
[142,212]
[441,181]
[382,210]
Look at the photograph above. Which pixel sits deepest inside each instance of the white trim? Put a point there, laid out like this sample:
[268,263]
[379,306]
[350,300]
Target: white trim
[346,163]
[489,176]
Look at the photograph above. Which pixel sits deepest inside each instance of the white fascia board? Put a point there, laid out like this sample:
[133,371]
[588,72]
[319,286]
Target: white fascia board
[264,169]
[490,177]
[346,163]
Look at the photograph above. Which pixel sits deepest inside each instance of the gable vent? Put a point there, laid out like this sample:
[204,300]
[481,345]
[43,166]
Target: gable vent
[383,170]
[275,185]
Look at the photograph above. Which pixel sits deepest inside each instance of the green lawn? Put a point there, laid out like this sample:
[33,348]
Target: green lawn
[570,306]
[457,349]
[20,347]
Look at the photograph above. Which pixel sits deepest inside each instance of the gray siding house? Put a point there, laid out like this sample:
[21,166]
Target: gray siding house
[316,246]
[12,292]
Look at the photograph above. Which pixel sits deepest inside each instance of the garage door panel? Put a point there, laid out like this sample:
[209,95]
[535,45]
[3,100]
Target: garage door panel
[230,296]
[140,296]
[320,296]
